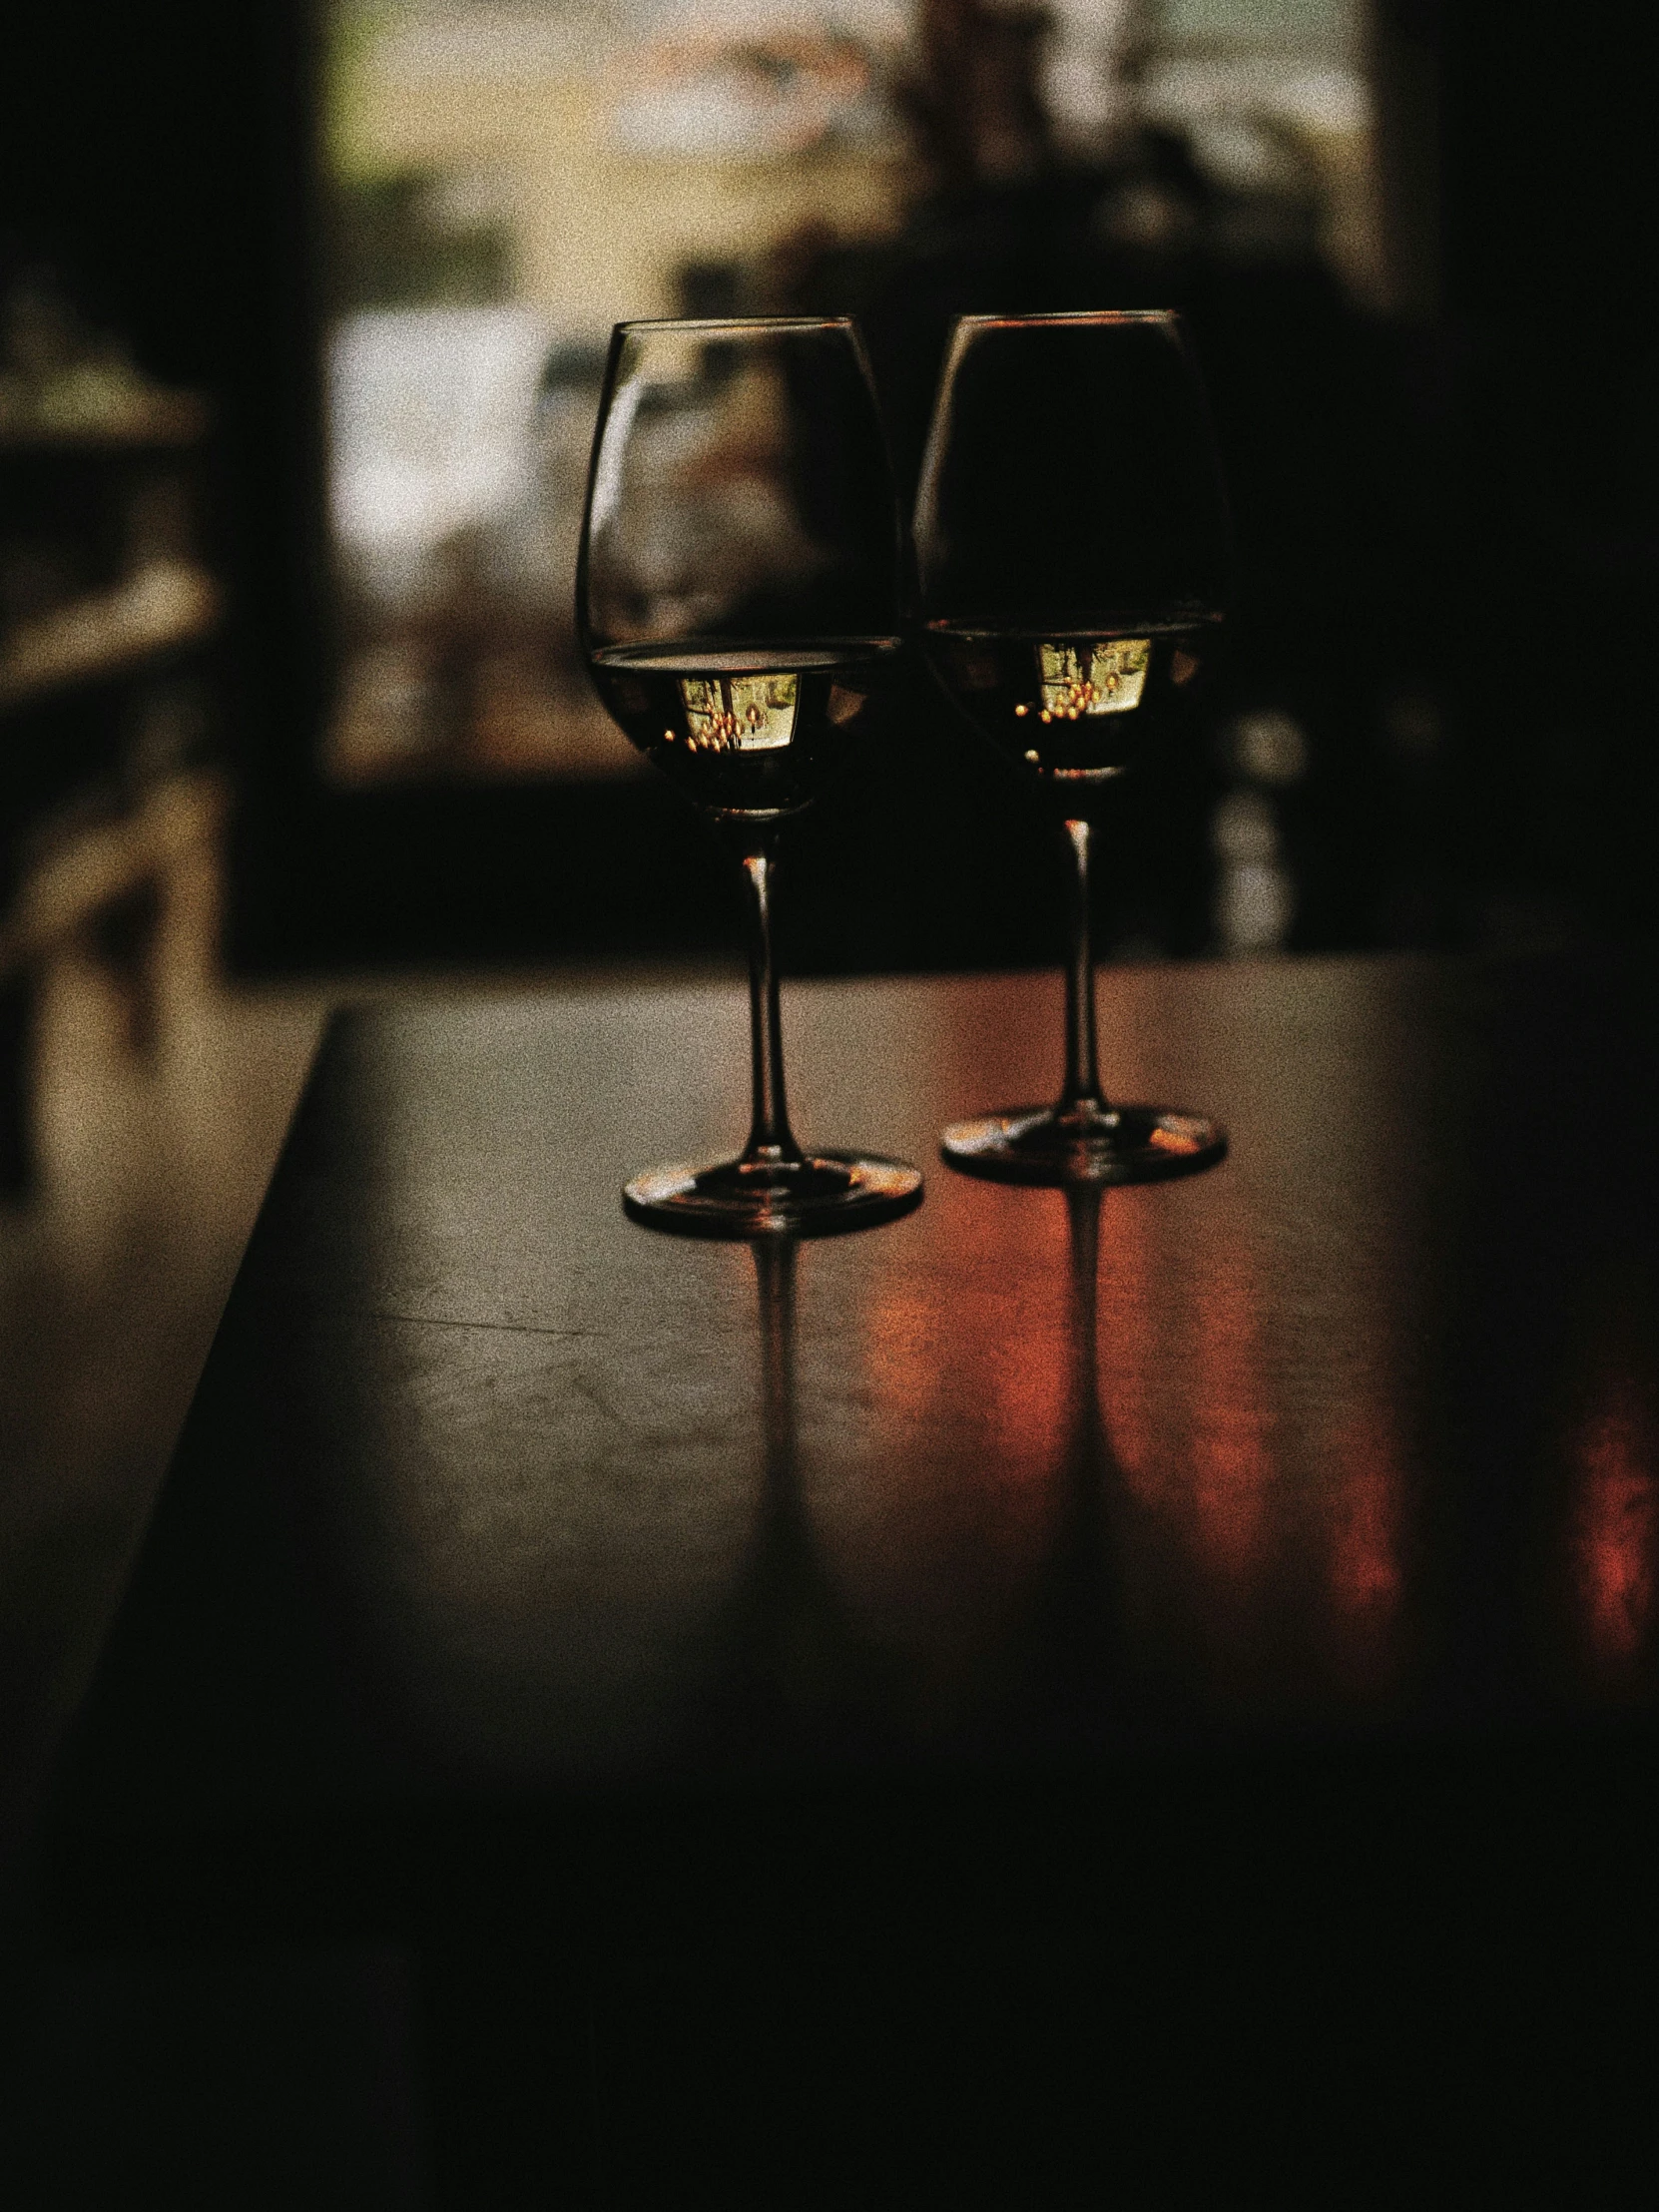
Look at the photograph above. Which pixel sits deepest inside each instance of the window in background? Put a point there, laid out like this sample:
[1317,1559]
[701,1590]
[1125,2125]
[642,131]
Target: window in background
[509,178]
[505,183]
[1274,99]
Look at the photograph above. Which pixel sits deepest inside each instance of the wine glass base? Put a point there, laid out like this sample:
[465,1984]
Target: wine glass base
[1127,1143]
[823,1196]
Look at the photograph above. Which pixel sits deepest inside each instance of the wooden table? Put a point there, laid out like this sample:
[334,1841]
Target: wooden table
[1225,1611]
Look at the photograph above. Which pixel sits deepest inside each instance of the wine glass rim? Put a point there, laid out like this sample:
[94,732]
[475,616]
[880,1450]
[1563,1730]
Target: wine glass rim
[1078,315]
[739,322]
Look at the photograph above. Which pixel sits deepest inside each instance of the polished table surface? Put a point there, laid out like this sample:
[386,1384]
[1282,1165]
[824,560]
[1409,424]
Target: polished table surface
[1340,1461]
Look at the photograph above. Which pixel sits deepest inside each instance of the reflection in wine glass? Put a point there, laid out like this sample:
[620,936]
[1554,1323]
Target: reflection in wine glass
[1073,548]
[738,605]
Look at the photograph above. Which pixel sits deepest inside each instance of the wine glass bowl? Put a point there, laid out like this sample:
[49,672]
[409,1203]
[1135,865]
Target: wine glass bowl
[1073,553]
[738,585]
[738,603]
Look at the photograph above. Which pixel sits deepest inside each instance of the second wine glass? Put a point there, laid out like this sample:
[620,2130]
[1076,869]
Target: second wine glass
[1073,546]
[738,602]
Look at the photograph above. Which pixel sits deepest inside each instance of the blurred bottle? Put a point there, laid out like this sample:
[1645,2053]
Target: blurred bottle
[1264,753]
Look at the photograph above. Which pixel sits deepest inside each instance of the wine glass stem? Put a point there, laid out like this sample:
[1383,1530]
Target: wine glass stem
[1082,1091]
[770,1141]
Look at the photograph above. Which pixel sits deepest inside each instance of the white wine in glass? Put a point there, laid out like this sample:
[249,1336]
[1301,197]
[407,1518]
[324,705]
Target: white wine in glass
[737,601]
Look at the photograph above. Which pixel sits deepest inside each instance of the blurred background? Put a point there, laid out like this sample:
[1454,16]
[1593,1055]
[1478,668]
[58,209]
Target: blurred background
[305,310]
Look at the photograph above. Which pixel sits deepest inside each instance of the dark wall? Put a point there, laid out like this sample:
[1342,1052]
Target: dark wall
[1548,294]
[158,159]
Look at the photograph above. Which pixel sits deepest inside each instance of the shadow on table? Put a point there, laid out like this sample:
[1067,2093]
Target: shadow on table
[793,1663]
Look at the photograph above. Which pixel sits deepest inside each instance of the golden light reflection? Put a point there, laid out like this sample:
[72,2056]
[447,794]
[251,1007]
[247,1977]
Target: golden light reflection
[1365,1564]
[737,713]
[1009,1370]
[1164,1138]
[1292,1513]
[1130,1319]
[1233,1467]
[1106,677]
[1240,1434]
[1199,1454]
[1615,1529]
[1210,1507]
[1364,1509]
[966,1401]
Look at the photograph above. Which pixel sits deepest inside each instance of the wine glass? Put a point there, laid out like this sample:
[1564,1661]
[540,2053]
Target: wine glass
[1074,547]
[738,602]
